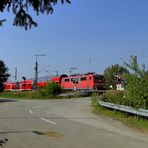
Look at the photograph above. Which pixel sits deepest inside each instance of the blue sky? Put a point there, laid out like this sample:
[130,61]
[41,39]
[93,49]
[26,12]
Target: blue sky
[86,35]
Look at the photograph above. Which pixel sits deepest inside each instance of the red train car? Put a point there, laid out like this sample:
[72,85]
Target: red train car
[25,85]
[18,86]
[88,81]
[58,79]
[10,86]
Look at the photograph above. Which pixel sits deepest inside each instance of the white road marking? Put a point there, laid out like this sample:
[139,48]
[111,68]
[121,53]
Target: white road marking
[47,121]
[30,111]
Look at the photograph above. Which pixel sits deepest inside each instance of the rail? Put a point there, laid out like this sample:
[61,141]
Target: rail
[140,112]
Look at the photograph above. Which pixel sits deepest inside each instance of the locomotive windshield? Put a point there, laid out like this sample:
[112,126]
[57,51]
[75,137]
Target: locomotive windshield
[99,78]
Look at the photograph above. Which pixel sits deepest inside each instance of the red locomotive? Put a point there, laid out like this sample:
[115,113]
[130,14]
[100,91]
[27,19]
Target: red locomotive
[89,81]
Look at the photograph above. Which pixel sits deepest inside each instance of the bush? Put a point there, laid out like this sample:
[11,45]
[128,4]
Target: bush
[94,102]
[53,89]
[113,97]
[41,92]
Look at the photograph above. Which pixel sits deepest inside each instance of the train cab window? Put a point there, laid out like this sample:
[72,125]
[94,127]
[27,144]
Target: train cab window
[66,80]
[99,77]
[75,80]
[102,77]
[83,79]
[90,78]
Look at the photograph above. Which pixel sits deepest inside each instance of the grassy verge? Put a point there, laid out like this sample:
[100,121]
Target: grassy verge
[24,95]
[40,94]
[128,120]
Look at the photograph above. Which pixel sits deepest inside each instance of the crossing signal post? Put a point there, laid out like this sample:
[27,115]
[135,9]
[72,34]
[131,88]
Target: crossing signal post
[24,78]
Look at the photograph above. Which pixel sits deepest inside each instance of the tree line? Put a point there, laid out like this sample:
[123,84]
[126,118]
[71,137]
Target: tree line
[135,81]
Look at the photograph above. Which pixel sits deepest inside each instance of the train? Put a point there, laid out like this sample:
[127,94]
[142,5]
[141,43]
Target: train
[25,85]
[88,81]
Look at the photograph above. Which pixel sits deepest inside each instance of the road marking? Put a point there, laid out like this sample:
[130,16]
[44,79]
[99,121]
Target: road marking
[47,121]
[30,111]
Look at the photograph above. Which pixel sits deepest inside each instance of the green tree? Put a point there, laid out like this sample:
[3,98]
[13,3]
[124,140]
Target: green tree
[110,73]
[137,83]
[20,9]
[3,75]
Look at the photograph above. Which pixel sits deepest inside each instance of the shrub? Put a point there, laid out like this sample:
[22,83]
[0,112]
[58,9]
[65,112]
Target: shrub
[113,97]
[42,92]
[94,101]
[53,89]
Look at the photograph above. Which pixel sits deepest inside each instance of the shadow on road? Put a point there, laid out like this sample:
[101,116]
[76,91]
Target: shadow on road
[7,100]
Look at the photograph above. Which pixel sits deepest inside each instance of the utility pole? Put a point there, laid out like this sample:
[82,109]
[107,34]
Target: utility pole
[89,60]
[57,72]
[15,73]
[36,69]
[36,73]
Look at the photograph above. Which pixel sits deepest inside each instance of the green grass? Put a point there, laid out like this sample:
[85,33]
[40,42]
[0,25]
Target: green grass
[128,120]
[39,94]
[25,95]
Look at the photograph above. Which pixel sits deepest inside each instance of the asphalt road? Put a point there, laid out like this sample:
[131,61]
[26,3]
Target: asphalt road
[63,124]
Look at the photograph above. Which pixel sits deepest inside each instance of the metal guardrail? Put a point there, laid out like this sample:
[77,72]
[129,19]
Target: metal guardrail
[128,109]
